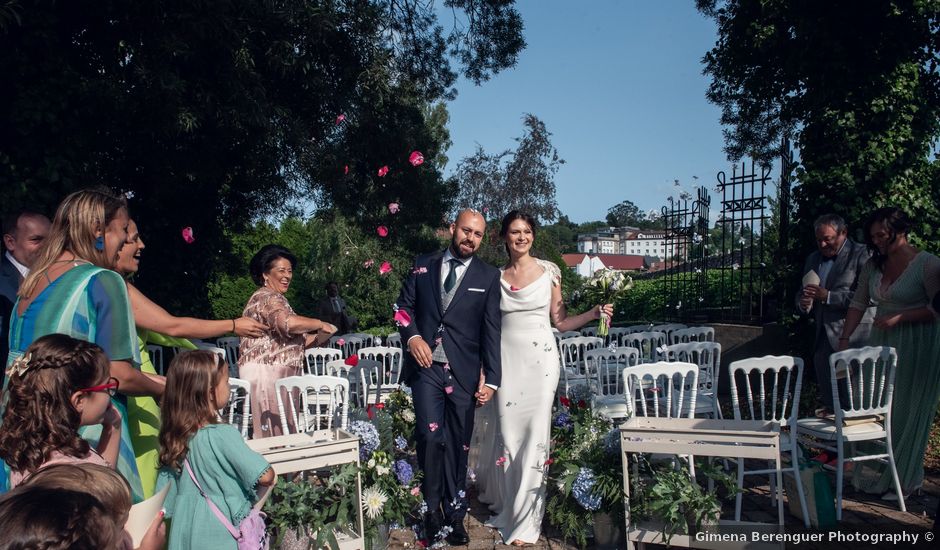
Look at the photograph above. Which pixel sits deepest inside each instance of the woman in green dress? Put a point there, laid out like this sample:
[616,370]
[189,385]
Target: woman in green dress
[156,325]
[71,290]
[900,280]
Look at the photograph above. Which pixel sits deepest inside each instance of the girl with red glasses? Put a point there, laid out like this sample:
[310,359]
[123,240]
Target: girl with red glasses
[58,385]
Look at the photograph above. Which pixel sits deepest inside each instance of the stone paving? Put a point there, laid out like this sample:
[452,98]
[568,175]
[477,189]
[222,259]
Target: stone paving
[860,512]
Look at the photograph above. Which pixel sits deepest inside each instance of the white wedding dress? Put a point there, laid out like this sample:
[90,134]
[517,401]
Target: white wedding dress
[513,438]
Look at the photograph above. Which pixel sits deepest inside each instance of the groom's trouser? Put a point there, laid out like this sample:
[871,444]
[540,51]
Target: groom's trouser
[443,427]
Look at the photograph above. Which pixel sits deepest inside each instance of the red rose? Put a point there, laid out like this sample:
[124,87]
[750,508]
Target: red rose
[582,404]
[565,401]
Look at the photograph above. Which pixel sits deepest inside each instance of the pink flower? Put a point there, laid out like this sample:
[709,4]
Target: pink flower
[402,318]
[466,447]
[416,158]
[500,461]
[448,390]
[415,491]
[340,118]
[352,360]
[188,235]
[382,171]
[368,263]
[393,207]
[346,169]
[382,231]
[433,426]
[385,268]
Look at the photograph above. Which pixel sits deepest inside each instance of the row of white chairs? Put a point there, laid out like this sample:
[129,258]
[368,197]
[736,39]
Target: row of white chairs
[768,388]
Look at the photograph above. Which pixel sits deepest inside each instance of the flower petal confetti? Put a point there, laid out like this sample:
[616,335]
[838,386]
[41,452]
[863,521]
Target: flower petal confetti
[346,170]
[416,158]
[341,341]
[393,207]
[448,390]
[433,426]
[500,461]
[368,263]
[385,268]
[382,231]
[352,360]
[188,235]
[466,447]
[402,318]
[340,118]
[382,171]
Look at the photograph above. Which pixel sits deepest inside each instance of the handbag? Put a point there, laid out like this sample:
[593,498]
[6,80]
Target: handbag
[251,533]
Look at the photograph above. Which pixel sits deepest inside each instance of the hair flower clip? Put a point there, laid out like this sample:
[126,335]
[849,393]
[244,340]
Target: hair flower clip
[20,365]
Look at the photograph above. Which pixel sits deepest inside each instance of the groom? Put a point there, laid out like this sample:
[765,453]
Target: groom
[453,301]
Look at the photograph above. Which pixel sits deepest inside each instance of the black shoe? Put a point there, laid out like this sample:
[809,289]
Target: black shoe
[458,536]
[433,522]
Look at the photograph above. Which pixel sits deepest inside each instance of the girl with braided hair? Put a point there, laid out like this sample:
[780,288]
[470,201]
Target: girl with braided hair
[58,385]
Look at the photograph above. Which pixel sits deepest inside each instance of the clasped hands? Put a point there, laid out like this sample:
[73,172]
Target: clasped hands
[422,354]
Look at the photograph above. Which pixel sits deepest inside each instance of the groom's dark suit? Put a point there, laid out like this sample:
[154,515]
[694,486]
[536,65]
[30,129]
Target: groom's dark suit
[469,331]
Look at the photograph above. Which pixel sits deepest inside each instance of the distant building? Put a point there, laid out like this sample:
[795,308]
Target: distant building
[586,264]
[629,241]
[602,242]
[644,243]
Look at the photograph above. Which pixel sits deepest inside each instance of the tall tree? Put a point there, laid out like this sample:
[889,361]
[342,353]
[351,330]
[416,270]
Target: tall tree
[855,83]
[624,214]
[522,179]
[216,114]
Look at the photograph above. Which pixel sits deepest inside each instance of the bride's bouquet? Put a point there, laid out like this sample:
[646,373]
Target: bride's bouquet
[605,287]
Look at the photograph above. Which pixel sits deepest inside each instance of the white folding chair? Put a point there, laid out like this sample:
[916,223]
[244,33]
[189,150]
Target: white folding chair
[590,330]
[390,358]
[367,339]
[668,329]
[650,344]
[775,397]
[559,336]
[394,340]
[237,411]
[572,352]
[637,328]
[214,349]
[373,382]
[316,359]
[707,355]
[615,335]
[339,368]
[312,402]
[868,375]
[670,388]
[156,357]
[692,334]
[351,344]
[605,367]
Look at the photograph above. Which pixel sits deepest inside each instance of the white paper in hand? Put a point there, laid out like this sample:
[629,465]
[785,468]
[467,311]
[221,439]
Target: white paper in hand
[143,513]
[811,278]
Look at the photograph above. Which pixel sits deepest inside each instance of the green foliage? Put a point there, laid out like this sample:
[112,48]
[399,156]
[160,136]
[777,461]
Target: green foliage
[219,115]
[318,504]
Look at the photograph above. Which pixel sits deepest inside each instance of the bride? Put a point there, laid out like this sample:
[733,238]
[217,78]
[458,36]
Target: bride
[512,467]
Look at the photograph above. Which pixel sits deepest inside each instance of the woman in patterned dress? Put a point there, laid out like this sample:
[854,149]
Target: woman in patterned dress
[278,352]
[901,281]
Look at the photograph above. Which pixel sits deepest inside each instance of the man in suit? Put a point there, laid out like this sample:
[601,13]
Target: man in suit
[837,263]
[332,309]
[23,233]
[453,363]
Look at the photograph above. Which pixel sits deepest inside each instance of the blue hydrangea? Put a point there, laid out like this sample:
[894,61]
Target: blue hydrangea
[583,490]
[401,443]
[578,393]
[368,437]
[403,472]
[562,420]
[612,442]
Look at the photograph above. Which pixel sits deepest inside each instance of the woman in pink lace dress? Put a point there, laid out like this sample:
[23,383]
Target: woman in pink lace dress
[279,352]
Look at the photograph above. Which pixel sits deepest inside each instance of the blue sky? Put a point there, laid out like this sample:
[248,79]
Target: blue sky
[620,86]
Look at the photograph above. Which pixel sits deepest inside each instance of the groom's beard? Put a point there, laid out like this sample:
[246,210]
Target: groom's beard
[455,250]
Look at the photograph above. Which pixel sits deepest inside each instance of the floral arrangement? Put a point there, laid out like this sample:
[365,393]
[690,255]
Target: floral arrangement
[605,287]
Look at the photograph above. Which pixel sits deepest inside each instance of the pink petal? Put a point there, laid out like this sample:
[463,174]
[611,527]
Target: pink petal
[368,263]
[415,491]
[393,207]
[346,169]
[446,365]
[341,341]
[512,288]
[433,426]
[382,231]
[382,171]
[500,461]
[385,268]
[448,390]
[188,235]
[340,118]
[402,318]
[466,447]
[416,158]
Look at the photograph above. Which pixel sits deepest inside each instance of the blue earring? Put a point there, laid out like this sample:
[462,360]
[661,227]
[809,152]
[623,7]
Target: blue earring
[99,243]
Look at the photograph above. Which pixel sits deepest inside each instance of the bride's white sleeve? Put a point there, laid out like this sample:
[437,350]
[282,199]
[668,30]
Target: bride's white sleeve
[553,271]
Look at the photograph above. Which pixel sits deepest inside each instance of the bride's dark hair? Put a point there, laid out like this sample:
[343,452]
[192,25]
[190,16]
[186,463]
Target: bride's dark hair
[513,216]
